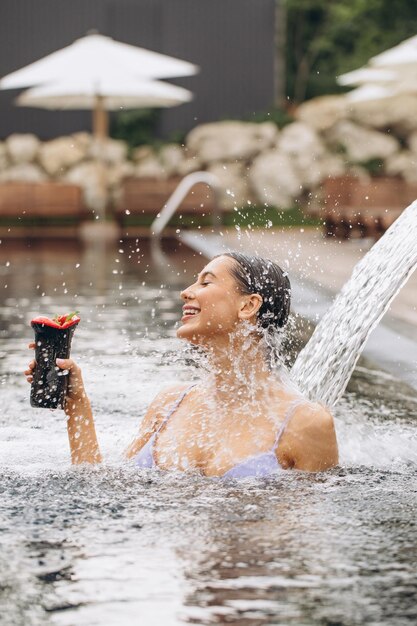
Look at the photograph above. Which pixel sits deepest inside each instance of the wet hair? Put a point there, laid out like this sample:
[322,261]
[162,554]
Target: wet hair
[254,274]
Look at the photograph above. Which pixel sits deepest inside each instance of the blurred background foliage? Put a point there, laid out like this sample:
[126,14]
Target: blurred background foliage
[325,38]
[320,39]
[137,126]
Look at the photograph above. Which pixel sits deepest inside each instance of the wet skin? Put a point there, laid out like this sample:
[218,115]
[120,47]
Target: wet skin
[234,413]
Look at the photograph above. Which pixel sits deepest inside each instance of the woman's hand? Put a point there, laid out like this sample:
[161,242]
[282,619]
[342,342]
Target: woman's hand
[80,423]
[75,388]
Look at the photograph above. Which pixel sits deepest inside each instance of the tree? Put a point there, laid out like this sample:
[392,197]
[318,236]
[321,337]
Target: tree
[326,38]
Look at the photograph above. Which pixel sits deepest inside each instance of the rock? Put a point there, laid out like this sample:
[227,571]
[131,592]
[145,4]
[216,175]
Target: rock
[322,113]
[108,150]
[24,172]
[362,144]
[412,142]
[142,153]
[230,140]
[92,177]
[331,165]
[274,179]
[299,139]
[398,113]
[171,157]
[4,161]
[311,172]
[116,173]
[403,164]
[308,154]
[267,132]
[233,180]
[22,148]
[189,165]
[58,155]
[150,168]
[83,140]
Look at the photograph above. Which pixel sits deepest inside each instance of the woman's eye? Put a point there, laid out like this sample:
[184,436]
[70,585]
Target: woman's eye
[205,283]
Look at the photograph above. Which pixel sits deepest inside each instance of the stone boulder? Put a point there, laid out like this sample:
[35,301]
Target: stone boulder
[309,155]
[4,160]
[92,177]
[57,155]
[299,138]
[274,179]
[108,150]
[329,165]
[403,164]
[230,140]
[362,144]
[412,142]
[171,157]
[142,153]
[312,172]
[117,172]
[83,140]
[150,167]
[22,148]
[24,173]
[233,180]
[324,112]
[398,113]
[191,163]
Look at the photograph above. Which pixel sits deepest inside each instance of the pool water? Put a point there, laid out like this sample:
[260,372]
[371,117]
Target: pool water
[116,545]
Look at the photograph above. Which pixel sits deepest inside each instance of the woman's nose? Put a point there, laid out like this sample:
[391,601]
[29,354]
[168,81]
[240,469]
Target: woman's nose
[187,294]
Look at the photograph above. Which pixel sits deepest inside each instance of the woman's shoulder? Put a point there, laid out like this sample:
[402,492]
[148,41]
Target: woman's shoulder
[168,396]
[310,435]
[310,415]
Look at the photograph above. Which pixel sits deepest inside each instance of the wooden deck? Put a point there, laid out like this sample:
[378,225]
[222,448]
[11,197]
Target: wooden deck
[143,198]
[352,208]
[40,209]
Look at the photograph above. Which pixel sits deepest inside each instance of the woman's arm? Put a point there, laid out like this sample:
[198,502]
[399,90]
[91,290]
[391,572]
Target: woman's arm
[80,421]
[309,440]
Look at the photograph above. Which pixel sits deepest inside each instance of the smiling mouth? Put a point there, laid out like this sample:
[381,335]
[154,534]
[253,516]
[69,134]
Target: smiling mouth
[189,312]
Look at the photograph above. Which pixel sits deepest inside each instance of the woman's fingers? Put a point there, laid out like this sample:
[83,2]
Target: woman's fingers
[75,383]
[31,367]
[67,364]
[29,372]
[32,345]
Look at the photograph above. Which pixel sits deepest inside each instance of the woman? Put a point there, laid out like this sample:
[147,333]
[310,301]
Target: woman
[241,420]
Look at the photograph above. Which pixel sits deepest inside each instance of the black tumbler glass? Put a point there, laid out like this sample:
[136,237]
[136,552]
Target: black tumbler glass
[49,384]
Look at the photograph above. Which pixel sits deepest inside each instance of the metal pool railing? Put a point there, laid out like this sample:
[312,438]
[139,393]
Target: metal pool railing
[174,201]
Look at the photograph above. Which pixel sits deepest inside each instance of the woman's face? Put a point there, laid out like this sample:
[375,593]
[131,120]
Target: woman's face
[212,304]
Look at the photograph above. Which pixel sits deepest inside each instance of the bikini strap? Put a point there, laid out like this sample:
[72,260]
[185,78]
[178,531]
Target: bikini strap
[288,415]
[174,407]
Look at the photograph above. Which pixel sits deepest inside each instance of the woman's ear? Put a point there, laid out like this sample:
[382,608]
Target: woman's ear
[249,307]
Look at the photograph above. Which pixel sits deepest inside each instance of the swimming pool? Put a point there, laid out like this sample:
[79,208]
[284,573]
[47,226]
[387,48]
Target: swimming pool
[114,545]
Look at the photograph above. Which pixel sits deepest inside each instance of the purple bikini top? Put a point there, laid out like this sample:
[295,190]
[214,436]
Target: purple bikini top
[258,465]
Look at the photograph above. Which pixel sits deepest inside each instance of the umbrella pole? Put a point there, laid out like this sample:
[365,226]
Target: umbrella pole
[100,119]
[100,134]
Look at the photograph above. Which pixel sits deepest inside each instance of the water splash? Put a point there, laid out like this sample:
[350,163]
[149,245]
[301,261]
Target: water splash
[324,367]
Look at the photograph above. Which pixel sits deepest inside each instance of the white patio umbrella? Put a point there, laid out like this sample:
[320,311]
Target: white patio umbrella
[90,55]
[109,93]
[365,75]
[96,64]
[387,75]
[404,53]
[366,93]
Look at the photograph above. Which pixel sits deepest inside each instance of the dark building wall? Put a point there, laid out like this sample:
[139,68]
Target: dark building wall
[231,41]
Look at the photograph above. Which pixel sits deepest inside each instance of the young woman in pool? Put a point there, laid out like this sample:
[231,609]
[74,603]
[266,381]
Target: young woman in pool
[242,419]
